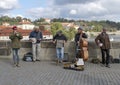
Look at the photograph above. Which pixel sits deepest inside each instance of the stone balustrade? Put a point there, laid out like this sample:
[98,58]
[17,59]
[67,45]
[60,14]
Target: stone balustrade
[48,51]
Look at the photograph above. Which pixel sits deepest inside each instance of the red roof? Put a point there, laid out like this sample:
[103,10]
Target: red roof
[5,31]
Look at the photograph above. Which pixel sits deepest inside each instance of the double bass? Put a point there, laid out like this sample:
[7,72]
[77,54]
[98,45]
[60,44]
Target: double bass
[83,44]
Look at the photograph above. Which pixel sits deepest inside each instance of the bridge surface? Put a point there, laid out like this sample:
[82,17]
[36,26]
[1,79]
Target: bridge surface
[47,73]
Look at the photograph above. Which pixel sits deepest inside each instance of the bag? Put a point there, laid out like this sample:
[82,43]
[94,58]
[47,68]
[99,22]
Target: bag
[116,60]
[28,57]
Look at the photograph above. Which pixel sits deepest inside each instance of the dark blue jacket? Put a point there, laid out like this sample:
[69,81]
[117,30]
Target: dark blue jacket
[77,37]
[57,37]
[37,35]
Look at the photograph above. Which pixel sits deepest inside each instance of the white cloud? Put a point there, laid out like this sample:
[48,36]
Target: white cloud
[72,9]
[79,9]
[43,12]
[73,12]
[66,2]
[8,4]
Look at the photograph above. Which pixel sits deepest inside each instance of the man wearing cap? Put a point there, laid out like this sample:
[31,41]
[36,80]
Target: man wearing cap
[78,36]
[59,39]
[15,37]
[103,41]
[36,37]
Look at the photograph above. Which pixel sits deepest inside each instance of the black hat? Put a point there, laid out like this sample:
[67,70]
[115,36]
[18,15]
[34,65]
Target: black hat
[59,32]
[80,28]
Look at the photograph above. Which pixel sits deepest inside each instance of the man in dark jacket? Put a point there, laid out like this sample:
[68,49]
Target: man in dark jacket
[15,37]
[78,36]
[103,41]
[36,37]
[59,39]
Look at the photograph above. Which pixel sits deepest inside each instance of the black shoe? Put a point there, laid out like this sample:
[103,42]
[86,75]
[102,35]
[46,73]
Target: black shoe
[33,61]
[108,66]
[37,60]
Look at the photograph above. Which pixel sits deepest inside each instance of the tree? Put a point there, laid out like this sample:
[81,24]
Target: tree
[56,27]
[19,19]
[68,33]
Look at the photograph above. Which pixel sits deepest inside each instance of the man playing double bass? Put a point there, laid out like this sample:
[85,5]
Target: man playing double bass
[79,35]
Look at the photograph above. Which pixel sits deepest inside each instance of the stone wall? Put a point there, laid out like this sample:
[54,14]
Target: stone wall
[48,51]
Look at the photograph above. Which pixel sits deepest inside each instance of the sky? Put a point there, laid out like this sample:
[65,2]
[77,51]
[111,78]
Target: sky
[69,9]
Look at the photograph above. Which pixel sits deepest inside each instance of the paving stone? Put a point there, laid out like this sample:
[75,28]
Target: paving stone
[48,73]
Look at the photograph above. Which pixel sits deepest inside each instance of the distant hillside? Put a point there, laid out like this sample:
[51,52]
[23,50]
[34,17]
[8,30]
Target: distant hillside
[88,25]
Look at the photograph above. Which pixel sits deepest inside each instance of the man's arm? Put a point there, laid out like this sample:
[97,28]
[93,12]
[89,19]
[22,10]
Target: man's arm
[11,36]
[30,36]
[84,35]
[41,35]
[20,36]
[97,39]
[65,38]
[54,38]
[76,38]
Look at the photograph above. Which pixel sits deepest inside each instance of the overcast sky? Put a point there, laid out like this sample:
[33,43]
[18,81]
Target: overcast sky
[70,9]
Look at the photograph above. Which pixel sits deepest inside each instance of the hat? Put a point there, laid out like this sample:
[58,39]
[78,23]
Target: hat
[80,28]
[14,28]
[104,29]
[59,32]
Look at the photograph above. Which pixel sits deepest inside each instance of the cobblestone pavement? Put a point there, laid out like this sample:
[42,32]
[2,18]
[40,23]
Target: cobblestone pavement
[47,73]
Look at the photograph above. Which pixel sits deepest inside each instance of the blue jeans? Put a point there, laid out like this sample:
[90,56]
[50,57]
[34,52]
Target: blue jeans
[15,55]
[60,53]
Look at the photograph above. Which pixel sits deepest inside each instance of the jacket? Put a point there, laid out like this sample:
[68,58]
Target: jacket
[37,35]
[15,40]
[104,39]
[77,37]
[59,38]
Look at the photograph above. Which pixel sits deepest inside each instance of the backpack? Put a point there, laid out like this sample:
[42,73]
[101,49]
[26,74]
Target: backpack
[28,57]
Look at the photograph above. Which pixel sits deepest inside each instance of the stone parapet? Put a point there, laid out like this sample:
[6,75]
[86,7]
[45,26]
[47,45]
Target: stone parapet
[48,52]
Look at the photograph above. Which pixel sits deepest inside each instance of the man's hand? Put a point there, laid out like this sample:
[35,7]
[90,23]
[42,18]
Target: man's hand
[100,44]
[78,42]
[30,40]
[54,42]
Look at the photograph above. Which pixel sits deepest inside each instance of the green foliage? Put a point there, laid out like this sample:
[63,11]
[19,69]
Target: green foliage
[13,20]
[95,26]
[55,27]
[61,20]
[40,21]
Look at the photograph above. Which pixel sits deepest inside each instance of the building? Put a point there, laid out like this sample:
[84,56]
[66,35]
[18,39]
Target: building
[6,24]
[68,25]
[47,35]
[5,32]
[26,25]
[47,20]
